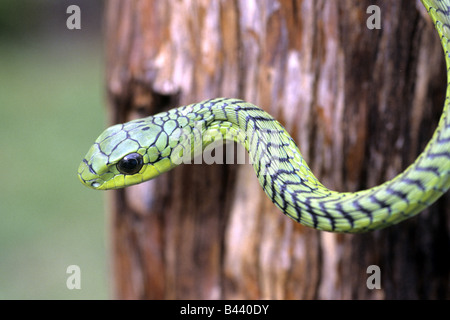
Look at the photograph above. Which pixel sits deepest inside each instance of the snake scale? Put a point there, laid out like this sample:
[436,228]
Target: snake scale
[139,150]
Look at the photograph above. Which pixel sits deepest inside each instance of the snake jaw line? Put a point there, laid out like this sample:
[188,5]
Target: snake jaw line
[165,139]
[87,176]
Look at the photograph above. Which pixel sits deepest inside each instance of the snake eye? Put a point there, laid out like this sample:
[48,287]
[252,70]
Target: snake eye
[130,164]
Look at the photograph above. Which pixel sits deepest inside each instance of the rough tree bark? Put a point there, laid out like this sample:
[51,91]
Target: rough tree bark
[360,103]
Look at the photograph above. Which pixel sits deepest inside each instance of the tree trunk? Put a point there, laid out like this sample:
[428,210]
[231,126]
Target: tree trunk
[361,104]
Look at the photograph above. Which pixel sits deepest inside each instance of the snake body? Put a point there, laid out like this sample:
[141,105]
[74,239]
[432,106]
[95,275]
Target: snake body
[139,150]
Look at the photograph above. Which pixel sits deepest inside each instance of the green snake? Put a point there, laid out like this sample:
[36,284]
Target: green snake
[140,150]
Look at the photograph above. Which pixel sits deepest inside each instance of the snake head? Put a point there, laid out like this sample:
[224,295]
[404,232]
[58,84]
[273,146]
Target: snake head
[126,154]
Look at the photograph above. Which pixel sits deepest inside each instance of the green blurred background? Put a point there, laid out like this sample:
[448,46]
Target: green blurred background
[51,110]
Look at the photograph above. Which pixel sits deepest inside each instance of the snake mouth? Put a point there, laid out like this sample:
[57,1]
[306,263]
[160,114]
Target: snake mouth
[88,176]
[93,184]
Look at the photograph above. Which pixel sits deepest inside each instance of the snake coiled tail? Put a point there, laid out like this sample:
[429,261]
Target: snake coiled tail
[139,150]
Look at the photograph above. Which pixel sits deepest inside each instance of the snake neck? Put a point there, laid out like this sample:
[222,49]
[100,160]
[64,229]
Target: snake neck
[288,181]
